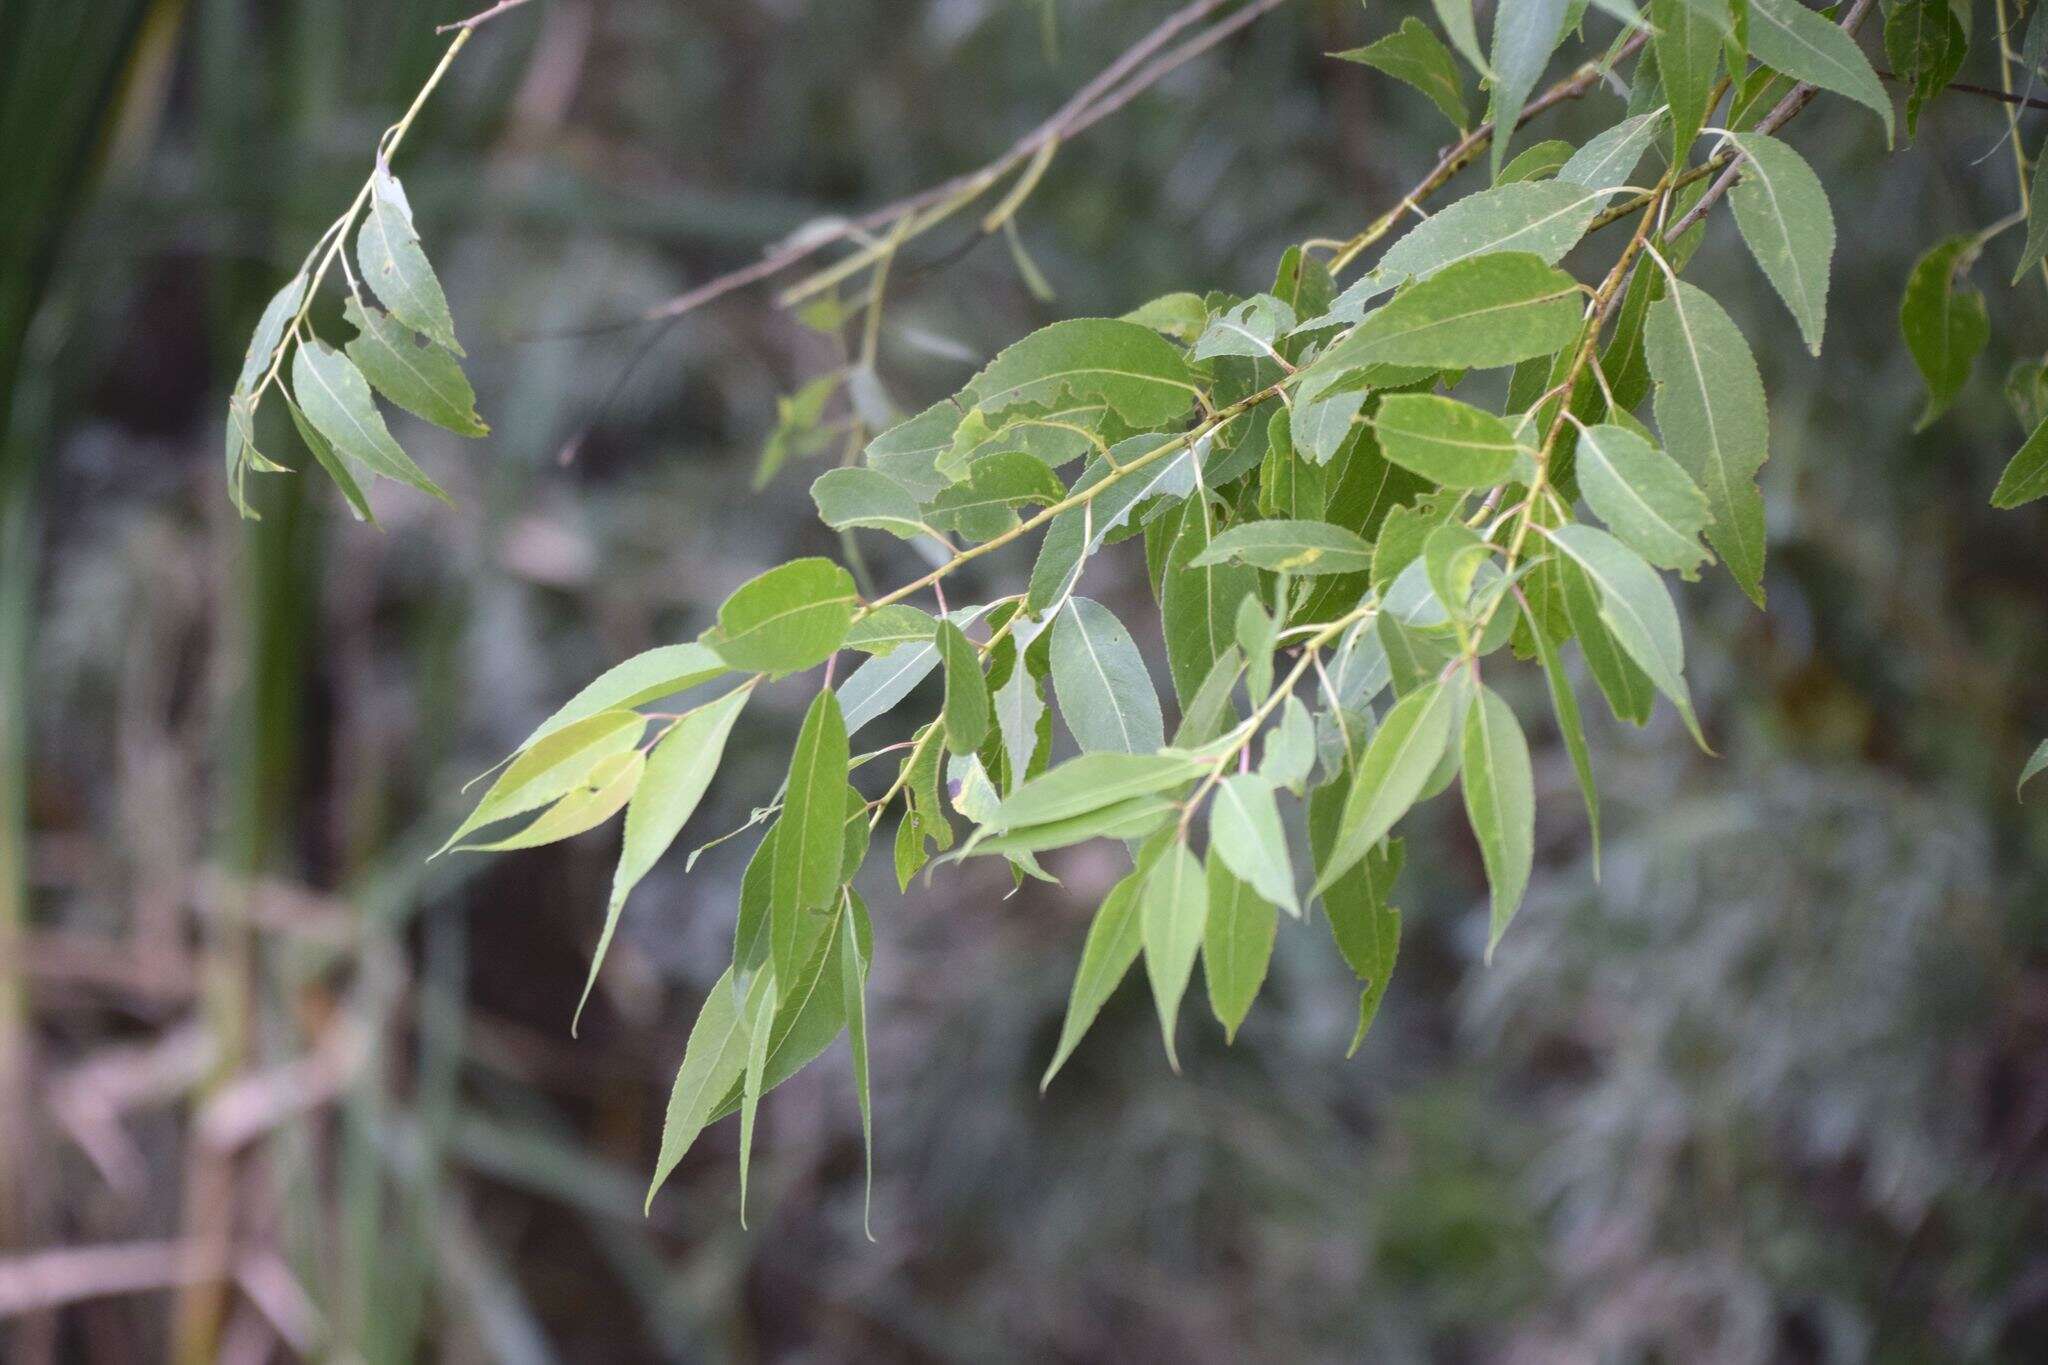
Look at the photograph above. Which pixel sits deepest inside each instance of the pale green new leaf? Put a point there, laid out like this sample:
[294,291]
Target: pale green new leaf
[1173,913]
[1090,782]
[679,769]
[388,249]
[647,676]
[1237,945]
[1784,217]
[1287,546]
[1500,800]
[596,798]
[1710,409]
[785,620]
[714,1060]
[1100,680]
[2035,764]
[2026,476]
[552,766]
[1643,496]
[759,1027]
[1245,831]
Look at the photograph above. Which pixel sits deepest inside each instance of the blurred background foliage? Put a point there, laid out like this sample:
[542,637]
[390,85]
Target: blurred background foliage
[1774,1086]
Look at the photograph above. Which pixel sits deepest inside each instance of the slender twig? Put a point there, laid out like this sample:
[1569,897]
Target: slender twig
[483,18]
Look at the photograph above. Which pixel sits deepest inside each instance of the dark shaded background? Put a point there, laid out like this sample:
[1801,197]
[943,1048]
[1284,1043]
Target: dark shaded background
[1774,1087]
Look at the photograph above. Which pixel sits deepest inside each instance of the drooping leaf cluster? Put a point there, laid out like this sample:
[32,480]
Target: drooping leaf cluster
[1349,535]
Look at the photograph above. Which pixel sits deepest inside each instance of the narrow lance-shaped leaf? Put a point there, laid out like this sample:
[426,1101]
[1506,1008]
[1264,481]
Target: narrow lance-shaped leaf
[1288,546]
[424,378]
[855,496]
[1636,609]
[1447,442]
[1237,945]
[1783,213]
[1688,45]
[1710,409]
[1525,33]
[1500,799]
[1544,218]
[1480,313]
[1115,938]
[1643,496]
[1104,690]
[1129,366]
[388,249]
[551,766]
[810,837]
[2035,764]
[1788,37]
[679,769]
[336,399]
[1397,764]
[1174,910]
[1456,17]
[853,980]
[1092,781]
[1944,322]
[1413,54]
[2026,476]
[714,1060]
[1198,600]
[1245,830]
[966,712]
[1569,725]
[759,1028]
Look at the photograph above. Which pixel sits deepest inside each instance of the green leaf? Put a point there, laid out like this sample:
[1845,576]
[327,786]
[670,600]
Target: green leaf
[1569,725]
[1127,365]
[1290,752]
[2036,764]
[552,766]
[1540,162]
[1198,602]
[853,980]
[1946,326]
[1397,764]
[887,629]
[270,330]
[810,833]
[647,676]
[1688,45]
[1525,33]
[1412,53]
[1250,329]
[1543,218]
[2026,477]
[1257,633]
[966,711]
[856,496]
[1288,546]
[1643,496]
[2037,213]
[1364,924]
[1784,216]
[1636,609]
[1244,829]
[714,1060]
[1926,47]
[1710,408]
[595,798]
[1132,818]
[1173,914]
[679,769]
[1610,157]
[909,451]
[1500,800]
[1479,313]
[1090,782]
[1447,442]
[759,1027]
[1114,939]
[1181,316]
[388,249]
[786,620]
[880,685]
[1237,945]
[1099,677]
[985,504]
[1456,17]
[423,377]
[336,399]
[1627,689]
[336,467]
[1209,712]
[1787,36]
[809,1012]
